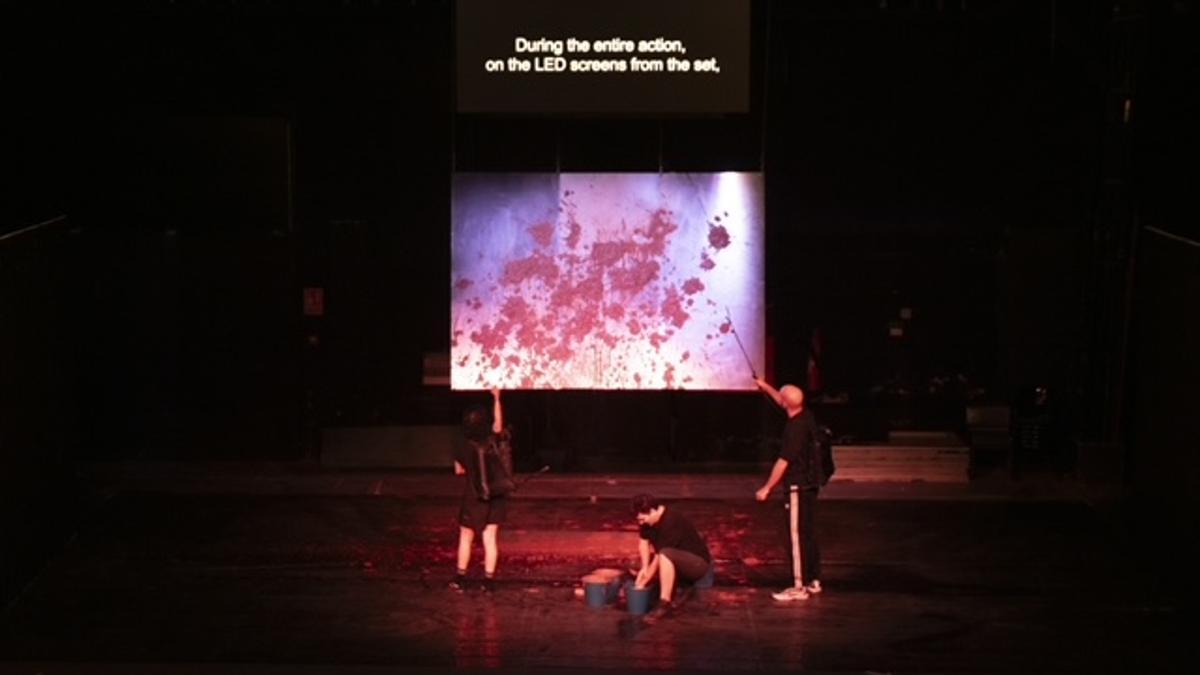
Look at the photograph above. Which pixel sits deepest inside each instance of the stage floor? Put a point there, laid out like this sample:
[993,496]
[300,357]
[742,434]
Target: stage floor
[213,570]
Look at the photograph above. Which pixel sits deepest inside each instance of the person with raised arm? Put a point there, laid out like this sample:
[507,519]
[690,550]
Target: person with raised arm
[798,468]
[480,458]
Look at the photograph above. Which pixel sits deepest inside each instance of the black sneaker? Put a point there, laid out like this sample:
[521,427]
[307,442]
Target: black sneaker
[488,586]
[458,583]
[658,613]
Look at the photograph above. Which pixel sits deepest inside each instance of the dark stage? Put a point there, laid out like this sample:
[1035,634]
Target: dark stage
[282,568]
[261,260]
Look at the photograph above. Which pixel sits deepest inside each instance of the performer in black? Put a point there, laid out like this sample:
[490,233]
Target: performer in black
[484,501]
[669,547]
[799,468]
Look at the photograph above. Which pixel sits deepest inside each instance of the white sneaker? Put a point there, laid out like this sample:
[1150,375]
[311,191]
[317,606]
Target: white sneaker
[789,594]
[814,587]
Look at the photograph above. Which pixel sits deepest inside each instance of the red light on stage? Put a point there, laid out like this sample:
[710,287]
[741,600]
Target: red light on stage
[314,301]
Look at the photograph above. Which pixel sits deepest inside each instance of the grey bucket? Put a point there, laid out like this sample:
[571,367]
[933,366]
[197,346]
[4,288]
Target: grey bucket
[640,600]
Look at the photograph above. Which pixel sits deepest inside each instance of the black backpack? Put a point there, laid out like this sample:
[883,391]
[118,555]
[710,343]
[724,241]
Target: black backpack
[824,442]
[495,467]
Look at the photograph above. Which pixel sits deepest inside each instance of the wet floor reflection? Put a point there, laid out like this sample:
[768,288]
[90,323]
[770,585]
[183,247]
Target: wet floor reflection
[658,652]
[478,636]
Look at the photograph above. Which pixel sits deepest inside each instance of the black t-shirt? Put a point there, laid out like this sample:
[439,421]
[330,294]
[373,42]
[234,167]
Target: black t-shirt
[675,531]
[800,450]
[467,454]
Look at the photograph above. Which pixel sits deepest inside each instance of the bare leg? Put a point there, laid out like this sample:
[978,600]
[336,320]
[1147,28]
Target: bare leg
[466,537]
[666,578]
[491,550]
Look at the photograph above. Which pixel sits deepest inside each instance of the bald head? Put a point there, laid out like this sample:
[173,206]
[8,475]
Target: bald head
[793,398]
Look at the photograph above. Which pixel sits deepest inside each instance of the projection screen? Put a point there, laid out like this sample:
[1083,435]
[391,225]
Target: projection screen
[606,281]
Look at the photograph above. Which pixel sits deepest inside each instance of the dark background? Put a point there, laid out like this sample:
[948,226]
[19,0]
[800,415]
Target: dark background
[199,163]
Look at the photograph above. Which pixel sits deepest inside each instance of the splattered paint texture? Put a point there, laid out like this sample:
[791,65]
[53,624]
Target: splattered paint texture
[606,281]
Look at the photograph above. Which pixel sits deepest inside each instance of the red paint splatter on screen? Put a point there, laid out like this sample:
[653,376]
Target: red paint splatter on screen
[463,283]
[581,325]
[543,234]
[608,253]
[586,296]
[658,232]
[672,309]
[489,339]
[633,280]
[574,230]
[561,352]
[718,236]
[537,266]
[560,308]
[725,327]
[516,310]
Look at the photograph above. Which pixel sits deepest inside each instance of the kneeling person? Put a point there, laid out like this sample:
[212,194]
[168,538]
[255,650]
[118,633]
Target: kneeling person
[670,547]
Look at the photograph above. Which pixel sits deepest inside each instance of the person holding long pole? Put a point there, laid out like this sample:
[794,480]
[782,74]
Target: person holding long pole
[798,468]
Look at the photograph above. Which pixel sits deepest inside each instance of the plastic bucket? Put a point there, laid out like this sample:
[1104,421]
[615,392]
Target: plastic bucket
[599,590]
[640,600]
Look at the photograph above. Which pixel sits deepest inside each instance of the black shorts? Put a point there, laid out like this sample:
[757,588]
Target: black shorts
[476,513]
[688,565]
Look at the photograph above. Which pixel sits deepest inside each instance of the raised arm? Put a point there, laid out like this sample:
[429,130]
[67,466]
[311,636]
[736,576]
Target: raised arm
[497,413]
[770,391]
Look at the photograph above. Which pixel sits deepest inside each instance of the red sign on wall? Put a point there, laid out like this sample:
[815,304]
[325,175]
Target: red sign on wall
[314,301]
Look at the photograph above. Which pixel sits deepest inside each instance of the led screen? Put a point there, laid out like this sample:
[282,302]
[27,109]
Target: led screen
[602,56]
[606,281]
